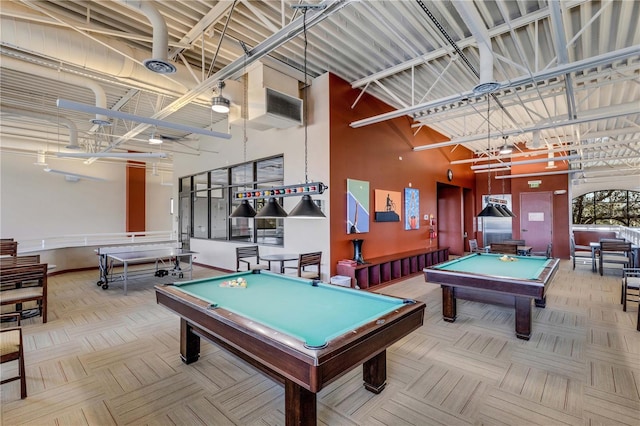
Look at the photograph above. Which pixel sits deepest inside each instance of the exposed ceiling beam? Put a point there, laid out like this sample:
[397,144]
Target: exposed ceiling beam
[606,58]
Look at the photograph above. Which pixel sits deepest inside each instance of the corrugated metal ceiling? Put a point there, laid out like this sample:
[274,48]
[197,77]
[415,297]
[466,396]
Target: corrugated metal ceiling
[569,69]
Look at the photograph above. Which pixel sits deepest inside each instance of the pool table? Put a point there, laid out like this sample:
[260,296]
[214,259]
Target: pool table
[490,278]
[302,333]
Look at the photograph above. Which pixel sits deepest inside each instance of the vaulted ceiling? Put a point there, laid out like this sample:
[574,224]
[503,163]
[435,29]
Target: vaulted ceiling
[566,73]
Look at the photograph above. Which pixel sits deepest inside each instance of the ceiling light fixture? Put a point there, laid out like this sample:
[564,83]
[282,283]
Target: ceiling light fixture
[306,208]
[219,103]
[490,210]
[155,139]
[506,148]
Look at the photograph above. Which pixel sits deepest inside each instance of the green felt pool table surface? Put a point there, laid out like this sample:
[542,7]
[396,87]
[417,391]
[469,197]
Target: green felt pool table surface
[521,267]
[312,313]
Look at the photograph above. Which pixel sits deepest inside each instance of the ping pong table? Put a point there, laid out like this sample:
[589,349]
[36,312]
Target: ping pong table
[167,261]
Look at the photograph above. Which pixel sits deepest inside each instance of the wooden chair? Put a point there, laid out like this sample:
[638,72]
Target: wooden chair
[8,248]
[250,252]
[630,287]
[504,248]
[309,260]
[26,283]
[546,253]
[580,252]
[473,246]
[11,349]
[614,251]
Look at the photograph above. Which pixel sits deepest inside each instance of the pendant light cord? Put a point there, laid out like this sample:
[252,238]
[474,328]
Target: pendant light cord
[489,147]
[305,107]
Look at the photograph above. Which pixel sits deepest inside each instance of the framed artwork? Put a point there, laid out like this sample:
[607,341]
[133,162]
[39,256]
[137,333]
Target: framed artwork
[357,206]
[411,209]
[387,205]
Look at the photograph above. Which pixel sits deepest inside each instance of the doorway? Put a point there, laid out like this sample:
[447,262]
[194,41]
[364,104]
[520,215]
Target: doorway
[536,219]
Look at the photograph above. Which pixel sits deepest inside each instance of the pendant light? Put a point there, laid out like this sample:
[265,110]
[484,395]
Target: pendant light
[490,210]
[306,208]
[272,209]
[245,209]
[219,103]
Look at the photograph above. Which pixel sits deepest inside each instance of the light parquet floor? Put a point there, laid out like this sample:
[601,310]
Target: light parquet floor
[108,359]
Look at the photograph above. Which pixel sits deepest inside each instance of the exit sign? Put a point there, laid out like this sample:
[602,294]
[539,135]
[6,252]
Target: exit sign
[534,183]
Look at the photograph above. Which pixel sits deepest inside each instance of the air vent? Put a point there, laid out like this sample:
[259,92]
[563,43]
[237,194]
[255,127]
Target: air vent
[284,106]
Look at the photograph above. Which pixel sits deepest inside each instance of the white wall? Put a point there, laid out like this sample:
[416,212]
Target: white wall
[36,205]
[301,235]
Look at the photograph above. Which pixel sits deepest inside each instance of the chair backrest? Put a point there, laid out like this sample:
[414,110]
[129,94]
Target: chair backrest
[614,245]
[251,251]
[504,248]
[245,252]
[309,259]
[473,245]
[8,248]
[549,250]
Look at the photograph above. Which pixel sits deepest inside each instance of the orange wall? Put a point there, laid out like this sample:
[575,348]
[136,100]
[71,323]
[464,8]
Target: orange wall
[136,207]
[372,153]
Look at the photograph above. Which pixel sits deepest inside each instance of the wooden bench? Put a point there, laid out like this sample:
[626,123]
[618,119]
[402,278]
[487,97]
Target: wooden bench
[24,283]
[393,267]
[10,261]
[504,248]
[8,248]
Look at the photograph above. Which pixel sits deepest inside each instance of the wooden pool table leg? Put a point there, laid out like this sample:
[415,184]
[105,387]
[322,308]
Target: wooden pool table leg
[448,303]
[189,343]
[374,373]
[523,318]
[299,405]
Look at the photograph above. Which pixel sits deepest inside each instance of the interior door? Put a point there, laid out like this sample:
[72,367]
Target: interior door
[536,219]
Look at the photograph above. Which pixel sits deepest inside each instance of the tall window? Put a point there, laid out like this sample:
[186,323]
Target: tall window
[609,207]
[210,198]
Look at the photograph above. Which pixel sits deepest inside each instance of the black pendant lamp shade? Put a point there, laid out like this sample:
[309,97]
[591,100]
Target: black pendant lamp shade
[490,211]
[507,212]
[306,208]
[244,210]
[271,210]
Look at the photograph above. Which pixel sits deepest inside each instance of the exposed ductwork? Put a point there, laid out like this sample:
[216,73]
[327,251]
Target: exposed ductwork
[159,62]
[30,68]
[472,18]
[73,131]
[56,119]
[114,61]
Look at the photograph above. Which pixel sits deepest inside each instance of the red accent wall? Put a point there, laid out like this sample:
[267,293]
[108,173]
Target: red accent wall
[372,153]
[136,197]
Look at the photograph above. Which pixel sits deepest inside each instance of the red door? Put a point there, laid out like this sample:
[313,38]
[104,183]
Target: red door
[536,220]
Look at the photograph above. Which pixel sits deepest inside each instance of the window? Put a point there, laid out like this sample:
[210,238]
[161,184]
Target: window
[610,207]
[211,201]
